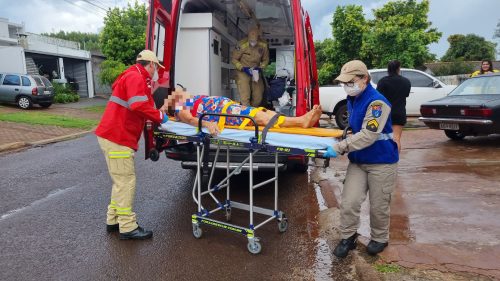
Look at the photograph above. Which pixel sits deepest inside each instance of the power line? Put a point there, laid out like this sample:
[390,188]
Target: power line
[86,9]
[95,5]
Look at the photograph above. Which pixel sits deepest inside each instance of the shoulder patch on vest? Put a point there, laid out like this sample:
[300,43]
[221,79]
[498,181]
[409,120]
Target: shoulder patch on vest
[377,110]
[372,125]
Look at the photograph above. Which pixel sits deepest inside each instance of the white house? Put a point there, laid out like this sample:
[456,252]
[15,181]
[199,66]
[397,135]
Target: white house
[29,53]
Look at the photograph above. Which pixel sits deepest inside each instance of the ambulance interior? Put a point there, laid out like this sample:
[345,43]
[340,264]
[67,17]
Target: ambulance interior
[208,32]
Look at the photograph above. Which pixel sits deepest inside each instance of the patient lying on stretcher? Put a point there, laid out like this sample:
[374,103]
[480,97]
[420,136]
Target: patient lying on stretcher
[188,108]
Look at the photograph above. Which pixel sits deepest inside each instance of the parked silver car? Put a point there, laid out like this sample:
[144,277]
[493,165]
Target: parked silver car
[26,90]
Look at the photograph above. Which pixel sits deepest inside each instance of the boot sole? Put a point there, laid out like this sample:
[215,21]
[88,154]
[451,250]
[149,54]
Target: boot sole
[136,238]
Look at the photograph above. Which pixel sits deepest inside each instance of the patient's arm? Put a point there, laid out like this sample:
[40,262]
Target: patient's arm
[186,117]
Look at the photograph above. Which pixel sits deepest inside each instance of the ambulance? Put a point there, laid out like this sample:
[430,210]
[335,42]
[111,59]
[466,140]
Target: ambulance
[194,39]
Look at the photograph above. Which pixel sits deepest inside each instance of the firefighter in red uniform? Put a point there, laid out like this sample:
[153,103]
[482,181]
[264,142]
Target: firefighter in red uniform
[118,134]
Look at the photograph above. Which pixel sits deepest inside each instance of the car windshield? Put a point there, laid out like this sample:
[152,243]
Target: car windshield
[483,85]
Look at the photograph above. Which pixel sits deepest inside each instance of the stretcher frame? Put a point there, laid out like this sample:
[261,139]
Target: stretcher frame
[256,144]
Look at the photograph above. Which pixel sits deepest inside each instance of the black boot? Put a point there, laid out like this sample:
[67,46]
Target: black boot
[345,245]
[375,247]
[139,233]
[112,227]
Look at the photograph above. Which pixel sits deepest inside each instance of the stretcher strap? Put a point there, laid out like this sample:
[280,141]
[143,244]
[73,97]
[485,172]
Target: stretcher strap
[272,123]
[251,114]
[222,119]
[281,120]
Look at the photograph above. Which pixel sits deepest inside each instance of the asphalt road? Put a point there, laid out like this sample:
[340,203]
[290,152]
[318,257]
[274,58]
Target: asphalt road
[52,220]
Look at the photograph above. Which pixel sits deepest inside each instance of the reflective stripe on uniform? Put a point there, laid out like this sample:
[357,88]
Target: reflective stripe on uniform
[385,136]
[128,103]
[119,154]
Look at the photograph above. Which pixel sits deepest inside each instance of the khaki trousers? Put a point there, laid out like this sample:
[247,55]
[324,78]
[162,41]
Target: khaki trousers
[250,92]
[120,161]
[378,180]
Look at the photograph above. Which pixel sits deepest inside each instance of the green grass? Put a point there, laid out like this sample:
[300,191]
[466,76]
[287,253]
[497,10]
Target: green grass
[40,118]
[387,268]
[96,108]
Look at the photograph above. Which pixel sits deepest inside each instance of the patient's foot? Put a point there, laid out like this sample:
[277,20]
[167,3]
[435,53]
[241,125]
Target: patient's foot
[312,116]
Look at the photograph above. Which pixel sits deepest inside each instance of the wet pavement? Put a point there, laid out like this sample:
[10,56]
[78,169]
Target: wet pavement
[52,215]
[444,218]
[444,213]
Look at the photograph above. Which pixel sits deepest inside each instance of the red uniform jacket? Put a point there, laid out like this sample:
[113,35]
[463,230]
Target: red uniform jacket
[130,105]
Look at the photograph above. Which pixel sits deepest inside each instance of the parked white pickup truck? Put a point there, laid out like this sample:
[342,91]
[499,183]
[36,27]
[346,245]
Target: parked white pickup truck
[424,87]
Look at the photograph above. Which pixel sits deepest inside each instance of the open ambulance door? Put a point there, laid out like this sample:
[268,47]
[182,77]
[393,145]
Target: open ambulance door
[312,59]
[160,38]
[303,65]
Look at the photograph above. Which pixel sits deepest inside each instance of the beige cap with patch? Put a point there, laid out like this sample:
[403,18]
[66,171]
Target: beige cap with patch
[148,55]
[351,70]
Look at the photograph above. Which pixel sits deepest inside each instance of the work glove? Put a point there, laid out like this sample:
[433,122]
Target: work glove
[330,153]
[247,70]
[165,118]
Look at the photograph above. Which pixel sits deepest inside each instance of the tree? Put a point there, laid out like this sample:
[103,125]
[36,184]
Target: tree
[88,41]
[348,25]
[469,47]
[400,30]
[122,38]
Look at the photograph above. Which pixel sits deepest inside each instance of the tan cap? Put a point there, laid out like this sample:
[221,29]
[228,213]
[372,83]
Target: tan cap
[351,69]
[148,55]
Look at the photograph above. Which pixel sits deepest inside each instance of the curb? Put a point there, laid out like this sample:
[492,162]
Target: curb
[12,146]
[18,145]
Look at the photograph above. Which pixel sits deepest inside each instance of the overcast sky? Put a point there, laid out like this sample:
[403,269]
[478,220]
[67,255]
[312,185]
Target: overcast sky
[449,17]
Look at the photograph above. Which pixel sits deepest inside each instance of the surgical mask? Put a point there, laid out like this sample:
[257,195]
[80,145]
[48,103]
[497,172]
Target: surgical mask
[155,75]
[353,90]
[253,43]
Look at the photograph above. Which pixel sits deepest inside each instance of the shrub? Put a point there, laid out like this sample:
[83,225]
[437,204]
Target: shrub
[453,68]
[64,94]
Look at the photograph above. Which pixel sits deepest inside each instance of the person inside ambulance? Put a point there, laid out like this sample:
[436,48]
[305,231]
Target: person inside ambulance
[118,134]
[188,109]
[373,156]
[250,57]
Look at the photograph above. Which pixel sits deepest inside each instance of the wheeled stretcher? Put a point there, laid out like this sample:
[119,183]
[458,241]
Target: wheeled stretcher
[252,141]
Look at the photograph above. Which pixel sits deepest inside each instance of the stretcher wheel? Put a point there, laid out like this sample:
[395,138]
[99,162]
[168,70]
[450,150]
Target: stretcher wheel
[283,225]
[154,155]
[254,247]
[197,232]
[228,214]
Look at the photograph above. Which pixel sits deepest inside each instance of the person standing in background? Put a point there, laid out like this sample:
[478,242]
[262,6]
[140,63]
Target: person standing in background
[486,67]
[396,89]
[250,57]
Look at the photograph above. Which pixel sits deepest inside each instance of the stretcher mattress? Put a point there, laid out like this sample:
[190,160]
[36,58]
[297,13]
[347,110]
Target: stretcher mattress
[273,138]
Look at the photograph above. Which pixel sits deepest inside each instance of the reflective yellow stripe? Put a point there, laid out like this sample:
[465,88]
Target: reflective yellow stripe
[124,213]
[252,114]
[222,119]
[119,154]
[123,209]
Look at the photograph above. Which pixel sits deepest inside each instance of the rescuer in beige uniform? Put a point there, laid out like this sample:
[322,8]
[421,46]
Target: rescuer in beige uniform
[251,54]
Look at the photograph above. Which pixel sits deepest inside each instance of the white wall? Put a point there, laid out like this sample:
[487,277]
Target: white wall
[12,60]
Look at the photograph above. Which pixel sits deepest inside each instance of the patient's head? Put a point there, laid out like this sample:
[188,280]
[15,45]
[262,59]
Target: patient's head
[179,100]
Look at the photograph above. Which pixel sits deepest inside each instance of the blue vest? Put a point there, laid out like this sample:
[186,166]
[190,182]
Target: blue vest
[382,151]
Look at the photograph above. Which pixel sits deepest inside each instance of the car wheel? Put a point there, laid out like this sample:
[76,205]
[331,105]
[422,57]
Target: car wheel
[454,135]
[341,117]
[24,102]
[45,104]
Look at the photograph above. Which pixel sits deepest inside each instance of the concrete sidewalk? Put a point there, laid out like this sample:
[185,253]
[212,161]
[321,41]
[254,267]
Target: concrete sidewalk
[15,135]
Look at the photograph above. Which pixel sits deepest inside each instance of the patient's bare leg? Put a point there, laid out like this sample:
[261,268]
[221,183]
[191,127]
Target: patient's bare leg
[305,121]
